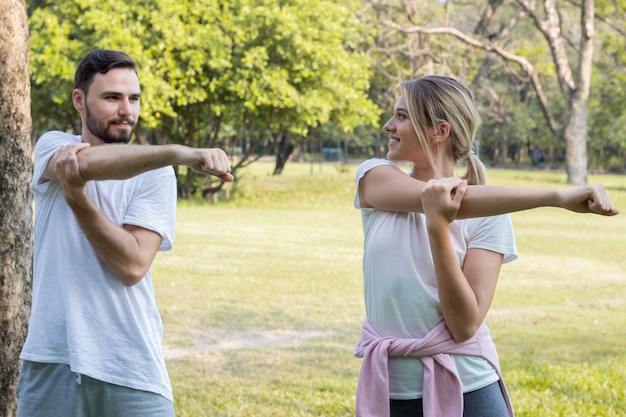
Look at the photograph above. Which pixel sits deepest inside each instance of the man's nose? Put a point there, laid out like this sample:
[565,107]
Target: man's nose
[125,107]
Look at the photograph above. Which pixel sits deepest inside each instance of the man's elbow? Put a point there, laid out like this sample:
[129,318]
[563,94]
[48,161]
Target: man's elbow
[132,275]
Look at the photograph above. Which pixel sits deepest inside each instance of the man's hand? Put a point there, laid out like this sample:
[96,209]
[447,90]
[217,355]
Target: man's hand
[588,199]
[66,168]
[213,161]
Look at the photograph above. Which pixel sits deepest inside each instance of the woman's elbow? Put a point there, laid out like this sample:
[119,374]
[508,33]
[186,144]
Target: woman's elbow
[464,333]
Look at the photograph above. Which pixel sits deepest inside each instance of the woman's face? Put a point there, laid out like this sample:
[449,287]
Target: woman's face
[403,142]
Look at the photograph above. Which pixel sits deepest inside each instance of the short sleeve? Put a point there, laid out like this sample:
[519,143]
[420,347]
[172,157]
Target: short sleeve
[154,205]
[45,148]
[363,168]
[495,233]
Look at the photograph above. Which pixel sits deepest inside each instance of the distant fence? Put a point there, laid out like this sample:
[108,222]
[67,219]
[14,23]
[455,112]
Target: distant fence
[332,154]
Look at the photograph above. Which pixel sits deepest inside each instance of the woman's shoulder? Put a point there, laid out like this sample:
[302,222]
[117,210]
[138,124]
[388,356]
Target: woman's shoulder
[372,163]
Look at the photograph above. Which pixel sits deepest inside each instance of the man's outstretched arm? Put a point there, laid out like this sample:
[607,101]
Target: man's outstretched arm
[121,161]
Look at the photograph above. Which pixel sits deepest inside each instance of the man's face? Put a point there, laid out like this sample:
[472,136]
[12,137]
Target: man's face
[111,107]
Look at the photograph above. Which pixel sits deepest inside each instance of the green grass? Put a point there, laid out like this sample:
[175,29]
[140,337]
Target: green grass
[262,300]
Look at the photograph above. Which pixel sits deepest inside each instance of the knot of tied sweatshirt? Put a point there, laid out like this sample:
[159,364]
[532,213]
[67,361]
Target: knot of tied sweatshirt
[442,392]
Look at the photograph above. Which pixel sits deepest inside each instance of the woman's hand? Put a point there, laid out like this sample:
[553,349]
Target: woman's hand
[588,199]
[441,199]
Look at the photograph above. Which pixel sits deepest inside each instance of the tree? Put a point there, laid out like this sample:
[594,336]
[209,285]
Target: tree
[572,58]
[250,74]
[15,203]
[607,134]
[399,56]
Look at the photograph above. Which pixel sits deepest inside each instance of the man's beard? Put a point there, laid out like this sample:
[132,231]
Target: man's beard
[100,128]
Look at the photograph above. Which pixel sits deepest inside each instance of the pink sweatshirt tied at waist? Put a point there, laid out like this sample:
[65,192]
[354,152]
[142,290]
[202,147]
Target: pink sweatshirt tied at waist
[443,395]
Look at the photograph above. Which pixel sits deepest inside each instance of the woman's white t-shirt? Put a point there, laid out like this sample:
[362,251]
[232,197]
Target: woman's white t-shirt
[400,288]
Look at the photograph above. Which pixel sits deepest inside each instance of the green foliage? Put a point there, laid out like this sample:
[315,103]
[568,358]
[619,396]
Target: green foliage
[292,55]
[509,104]
[212,72]
[296,58]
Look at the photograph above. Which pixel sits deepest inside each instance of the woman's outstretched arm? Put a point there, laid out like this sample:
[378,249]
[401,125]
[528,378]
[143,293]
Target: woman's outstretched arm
[388,188]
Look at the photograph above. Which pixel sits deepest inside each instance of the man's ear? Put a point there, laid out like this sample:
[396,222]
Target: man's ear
[443,132]
[78,99]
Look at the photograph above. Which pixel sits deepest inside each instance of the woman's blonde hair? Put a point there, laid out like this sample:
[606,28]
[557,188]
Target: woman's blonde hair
[434,99]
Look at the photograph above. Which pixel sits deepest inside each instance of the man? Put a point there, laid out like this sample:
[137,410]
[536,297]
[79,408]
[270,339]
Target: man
[103,209]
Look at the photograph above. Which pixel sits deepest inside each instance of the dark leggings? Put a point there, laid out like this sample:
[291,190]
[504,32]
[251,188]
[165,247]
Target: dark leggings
[485,402]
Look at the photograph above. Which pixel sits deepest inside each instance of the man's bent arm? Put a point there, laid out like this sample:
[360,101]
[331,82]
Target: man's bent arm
[127,250]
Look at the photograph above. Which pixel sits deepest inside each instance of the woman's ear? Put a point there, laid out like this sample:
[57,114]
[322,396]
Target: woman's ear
[443,132]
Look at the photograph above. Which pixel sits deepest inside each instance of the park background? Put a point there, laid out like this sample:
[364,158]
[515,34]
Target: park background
[262,300]
[290,78]
[261,297]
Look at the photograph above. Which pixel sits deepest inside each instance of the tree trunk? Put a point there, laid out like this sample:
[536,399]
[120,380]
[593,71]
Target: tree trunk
[575,135]
[574,85]
[15,198]
[504,147]
[283,150]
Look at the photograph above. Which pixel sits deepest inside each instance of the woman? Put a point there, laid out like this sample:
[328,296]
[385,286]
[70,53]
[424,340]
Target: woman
[429,280]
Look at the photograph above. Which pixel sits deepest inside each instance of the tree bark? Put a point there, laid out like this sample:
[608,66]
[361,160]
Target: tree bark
[283,150]
[15,198]
[572,129]
[575,135]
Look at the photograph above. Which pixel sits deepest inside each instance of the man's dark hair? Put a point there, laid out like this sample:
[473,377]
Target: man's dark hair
[100,61]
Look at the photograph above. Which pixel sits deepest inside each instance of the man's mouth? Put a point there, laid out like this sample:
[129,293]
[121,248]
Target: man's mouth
[123,122]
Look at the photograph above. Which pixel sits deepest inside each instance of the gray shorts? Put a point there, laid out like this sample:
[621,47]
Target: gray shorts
[53,390]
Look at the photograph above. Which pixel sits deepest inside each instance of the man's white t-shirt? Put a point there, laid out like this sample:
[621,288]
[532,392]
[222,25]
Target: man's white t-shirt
[401,297]
[82,315]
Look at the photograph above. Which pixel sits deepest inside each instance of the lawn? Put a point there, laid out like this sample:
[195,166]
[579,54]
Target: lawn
[262,300]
